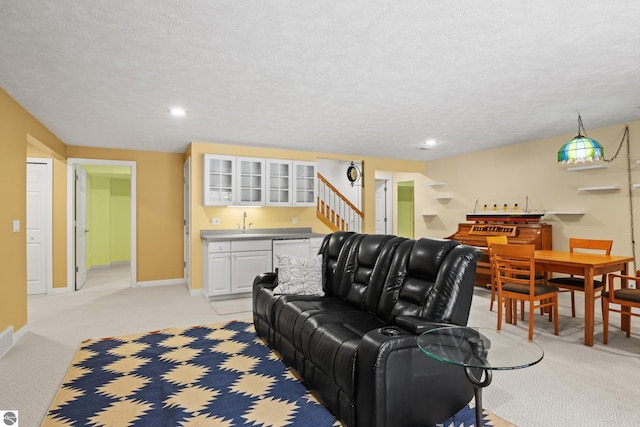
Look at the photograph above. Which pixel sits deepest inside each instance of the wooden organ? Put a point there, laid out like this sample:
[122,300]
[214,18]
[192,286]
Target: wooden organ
[520,233]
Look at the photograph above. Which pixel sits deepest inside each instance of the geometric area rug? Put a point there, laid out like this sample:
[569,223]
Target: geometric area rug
[219,375]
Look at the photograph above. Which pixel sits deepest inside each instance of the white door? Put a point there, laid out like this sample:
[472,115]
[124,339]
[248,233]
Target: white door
[38,190]
[186,214]
[81,226]
[381,207]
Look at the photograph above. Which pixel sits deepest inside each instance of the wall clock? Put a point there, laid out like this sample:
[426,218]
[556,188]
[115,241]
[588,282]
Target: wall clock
[354,174]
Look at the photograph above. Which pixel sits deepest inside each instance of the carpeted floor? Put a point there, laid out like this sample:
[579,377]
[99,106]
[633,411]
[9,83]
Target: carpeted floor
[215,375]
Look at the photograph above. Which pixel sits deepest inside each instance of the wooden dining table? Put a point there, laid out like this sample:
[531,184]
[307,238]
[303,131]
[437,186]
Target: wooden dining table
[583,264]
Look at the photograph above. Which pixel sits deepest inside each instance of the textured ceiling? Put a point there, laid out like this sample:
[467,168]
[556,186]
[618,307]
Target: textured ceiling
[374,78]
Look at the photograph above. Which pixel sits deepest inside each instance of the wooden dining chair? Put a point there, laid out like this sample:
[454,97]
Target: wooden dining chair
[576,283]
[516,280]
[627,298]
[501,240]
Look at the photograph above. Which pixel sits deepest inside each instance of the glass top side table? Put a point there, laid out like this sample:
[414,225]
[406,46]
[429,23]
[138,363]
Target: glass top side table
[480,351]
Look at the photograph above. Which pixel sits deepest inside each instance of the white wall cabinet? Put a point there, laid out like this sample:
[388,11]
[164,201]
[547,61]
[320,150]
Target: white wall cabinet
[304,183]
[251,181]
[229,180]
[219,180]
[279,182]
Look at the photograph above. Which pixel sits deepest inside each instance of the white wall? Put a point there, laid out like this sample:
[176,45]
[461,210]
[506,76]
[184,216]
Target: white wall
[531,169]
[336,172]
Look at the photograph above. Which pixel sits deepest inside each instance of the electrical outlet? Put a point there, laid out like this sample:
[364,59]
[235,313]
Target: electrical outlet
[215,221]
[295,219]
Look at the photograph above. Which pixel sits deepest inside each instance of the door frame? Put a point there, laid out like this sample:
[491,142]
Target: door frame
[49,217]
[186,213]
[71,255]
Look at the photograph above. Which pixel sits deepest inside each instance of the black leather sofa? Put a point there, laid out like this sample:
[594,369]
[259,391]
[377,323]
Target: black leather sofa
[356,345]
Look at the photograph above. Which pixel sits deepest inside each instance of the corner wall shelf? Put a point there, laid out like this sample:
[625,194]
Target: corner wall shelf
[600,188]
[582,168]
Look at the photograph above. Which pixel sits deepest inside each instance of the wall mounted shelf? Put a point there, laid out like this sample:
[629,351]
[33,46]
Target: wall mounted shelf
[442,197]
[435,184]
[636,185]
[587,167]
[429,214]
[565,213]
[600,188]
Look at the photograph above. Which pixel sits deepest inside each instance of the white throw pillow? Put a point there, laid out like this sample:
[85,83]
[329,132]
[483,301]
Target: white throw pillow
[301,276]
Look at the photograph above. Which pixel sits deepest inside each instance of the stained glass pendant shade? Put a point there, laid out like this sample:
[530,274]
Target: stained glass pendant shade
[580,149]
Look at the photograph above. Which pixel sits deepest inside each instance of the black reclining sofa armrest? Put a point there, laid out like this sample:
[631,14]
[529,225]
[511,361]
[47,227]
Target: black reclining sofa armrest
[418,325]
[399,385]
[266,280]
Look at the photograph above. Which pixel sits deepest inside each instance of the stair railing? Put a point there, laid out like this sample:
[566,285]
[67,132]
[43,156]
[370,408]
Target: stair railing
[334,210]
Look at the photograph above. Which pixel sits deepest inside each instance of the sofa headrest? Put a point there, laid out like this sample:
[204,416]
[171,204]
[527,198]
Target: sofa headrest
[427,256]
[355,268]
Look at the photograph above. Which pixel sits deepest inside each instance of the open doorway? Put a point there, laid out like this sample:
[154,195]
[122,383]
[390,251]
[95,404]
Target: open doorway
[406,209]
[101,213]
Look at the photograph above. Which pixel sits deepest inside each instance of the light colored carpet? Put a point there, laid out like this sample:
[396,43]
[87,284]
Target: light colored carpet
[573,384]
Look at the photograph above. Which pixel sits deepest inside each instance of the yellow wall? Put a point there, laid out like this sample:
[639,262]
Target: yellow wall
[530,169]
[276,217]
[159,208]
[16,125]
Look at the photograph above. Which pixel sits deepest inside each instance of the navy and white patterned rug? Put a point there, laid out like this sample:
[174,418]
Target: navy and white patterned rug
[219,375]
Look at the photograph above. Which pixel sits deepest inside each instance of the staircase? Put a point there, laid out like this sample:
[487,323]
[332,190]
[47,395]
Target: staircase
[334,210]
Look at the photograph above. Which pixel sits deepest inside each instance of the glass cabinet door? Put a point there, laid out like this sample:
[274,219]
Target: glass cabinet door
[251,177]
[279,182]
[219,180]
[304,183]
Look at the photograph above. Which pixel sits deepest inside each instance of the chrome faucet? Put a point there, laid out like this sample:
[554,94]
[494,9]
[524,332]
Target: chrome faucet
[244,222]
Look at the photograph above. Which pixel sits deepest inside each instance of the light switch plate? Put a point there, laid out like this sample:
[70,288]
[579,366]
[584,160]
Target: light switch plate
[215,221]
[16,225]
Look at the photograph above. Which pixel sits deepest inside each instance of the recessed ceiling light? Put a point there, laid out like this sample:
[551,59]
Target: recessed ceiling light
[177,112]
[429,144]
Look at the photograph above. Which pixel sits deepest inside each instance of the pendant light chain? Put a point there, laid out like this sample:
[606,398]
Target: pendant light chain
[625,138]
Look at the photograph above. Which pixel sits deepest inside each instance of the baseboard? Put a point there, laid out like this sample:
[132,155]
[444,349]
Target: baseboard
[59,291]
[198,292]
[114,263]
[165,282]
[6,340]
[9,338]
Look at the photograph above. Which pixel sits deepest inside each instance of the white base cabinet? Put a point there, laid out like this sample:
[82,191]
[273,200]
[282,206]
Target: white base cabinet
[229,267]
[245,266]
